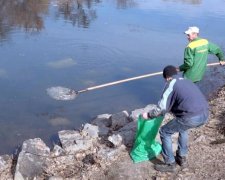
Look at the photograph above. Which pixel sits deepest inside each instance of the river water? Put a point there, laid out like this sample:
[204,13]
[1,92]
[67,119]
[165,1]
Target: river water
[83,43]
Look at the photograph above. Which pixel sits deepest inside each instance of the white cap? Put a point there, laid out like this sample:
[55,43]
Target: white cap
[191,30]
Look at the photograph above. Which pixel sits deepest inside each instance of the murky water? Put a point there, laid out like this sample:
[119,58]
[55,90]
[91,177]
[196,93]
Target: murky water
[83,43]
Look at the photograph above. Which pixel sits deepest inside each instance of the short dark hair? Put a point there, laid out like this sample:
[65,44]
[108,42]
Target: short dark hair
[169,71]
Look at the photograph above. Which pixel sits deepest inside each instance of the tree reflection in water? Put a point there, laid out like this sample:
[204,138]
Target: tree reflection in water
[26,14]
[193,2]
[123,4]
[79,12]
[29,14]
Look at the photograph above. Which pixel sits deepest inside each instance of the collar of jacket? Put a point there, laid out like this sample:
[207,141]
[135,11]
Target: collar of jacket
[176,76]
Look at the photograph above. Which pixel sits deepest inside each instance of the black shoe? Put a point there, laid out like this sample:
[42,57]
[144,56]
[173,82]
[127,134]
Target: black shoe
[181,161]
[166,167]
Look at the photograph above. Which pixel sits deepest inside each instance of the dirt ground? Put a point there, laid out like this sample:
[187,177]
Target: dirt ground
[206,156]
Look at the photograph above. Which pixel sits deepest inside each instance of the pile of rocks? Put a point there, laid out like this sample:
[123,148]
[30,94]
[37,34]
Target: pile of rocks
[80,154]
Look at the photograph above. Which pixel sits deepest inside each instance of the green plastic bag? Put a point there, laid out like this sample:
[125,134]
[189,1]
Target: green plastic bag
[145,147]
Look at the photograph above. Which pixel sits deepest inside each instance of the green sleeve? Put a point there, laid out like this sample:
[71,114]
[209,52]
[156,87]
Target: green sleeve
[188,59]
[214,49]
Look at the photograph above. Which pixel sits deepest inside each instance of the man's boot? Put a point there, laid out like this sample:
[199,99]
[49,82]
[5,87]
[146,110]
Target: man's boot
[166,167]
[181,161]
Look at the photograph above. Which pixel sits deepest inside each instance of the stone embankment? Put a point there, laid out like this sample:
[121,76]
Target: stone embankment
[100,150]
[79,155]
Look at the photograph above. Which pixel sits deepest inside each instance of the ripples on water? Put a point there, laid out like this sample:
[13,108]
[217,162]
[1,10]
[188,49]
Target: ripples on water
[78,44]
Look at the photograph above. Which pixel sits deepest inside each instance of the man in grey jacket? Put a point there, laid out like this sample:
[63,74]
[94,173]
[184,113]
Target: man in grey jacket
[190,108]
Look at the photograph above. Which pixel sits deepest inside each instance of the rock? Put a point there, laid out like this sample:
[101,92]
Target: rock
[150,107]
[103,131]
[119,120]
[135,114]
[103,120]
[80,156]
[55,178]
[131,126]
[90,130]
[73,141]
[89,159]
[128,137]
[5,167]
[116,140]
[200,138]
[128,133]
[110,154]
[32,159]
[62,165]
[57,151]
[59,121]
[5,162]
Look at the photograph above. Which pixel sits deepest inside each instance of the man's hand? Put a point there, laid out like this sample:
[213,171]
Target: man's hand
[222,63]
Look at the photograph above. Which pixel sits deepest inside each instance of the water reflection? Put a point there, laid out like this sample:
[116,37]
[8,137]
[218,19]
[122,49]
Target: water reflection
[193,2]
[79,12]
[64,63]
[122,4]
[25,14]
[29,14]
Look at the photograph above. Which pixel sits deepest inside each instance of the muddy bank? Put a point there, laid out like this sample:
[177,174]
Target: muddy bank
[100,150]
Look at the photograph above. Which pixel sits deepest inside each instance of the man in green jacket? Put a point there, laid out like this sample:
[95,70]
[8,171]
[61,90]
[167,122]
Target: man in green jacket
[196,54]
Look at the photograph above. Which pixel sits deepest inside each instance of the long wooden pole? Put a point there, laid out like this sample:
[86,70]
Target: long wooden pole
[130,79]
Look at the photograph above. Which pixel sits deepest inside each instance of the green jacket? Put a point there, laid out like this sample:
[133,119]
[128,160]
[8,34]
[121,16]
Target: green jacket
[195,58]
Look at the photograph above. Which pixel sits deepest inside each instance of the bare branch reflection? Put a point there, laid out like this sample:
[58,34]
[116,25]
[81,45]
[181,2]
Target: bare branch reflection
[193,2]
[29,14]
[79,12]
[123,4]
[26,14]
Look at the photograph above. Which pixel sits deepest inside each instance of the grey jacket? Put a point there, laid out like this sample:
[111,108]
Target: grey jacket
[181,97]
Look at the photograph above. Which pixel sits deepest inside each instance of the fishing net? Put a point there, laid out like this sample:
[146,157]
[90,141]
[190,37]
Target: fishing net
[61,93]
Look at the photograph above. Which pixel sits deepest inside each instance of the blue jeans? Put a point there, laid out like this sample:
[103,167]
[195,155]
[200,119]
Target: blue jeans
[180,125]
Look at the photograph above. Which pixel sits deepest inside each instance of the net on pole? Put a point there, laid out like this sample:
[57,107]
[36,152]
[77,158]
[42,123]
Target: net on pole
[61,93]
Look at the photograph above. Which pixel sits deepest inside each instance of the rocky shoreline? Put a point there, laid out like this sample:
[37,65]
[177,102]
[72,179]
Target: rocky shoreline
[100,150]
